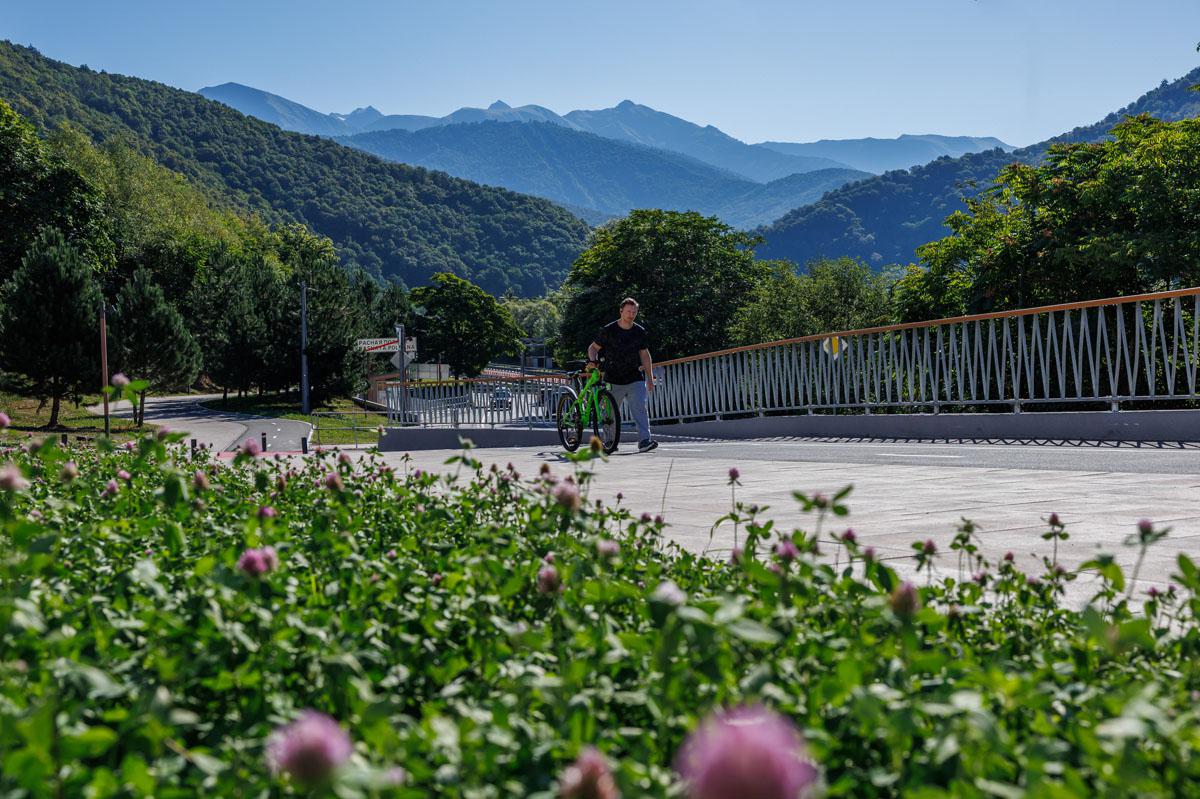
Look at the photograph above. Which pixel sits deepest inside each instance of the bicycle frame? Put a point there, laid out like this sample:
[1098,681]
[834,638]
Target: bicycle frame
[588,400]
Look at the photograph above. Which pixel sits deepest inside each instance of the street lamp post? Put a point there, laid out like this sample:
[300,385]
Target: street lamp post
[304,404]
[104,363]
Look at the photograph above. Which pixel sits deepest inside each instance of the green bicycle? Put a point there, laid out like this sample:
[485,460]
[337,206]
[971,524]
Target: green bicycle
[593,404]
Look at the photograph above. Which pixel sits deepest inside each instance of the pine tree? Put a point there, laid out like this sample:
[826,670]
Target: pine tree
[49,324]
[150,339]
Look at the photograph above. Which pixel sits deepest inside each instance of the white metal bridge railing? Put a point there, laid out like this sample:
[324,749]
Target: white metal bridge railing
[1097,353]
[503,400]
[1108,351]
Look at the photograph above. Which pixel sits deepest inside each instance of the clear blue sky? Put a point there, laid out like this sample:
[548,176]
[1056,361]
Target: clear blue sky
[789,70]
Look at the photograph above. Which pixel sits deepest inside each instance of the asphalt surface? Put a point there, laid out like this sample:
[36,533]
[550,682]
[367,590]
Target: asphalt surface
[222,430]
[1076,456]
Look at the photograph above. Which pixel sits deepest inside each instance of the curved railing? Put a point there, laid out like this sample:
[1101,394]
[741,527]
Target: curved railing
[1109,351]
[1092,354]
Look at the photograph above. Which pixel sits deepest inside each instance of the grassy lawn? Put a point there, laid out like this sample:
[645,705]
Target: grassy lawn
[336,420]
[28,422]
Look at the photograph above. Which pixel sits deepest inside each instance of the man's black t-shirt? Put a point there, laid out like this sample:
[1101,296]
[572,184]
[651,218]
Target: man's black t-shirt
[619,350]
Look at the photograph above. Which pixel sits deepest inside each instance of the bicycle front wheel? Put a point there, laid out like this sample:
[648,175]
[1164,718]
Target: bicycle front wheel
[606,422]
[570,425]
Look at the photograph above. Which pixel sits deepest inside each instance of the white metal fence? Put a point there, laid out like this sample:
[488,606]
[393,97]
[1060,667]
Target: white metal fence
[529,401]
[1085,355]
[1079,354]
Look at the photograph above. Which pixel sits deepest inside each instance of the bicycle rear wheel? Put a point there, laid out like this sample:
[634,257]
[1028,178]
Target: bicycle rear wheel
[570,425]
[606,422]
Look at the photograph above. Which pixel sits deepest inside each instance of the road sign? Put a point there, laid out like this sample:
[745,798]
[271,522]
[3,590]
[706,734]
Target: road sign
[378,344]
[385,344]
[400,361]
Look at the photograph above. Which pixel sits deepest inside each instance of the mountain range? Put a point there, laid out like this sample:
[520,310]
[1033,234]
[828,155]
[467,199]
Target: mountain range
[406,221]
[883,220]
[603,163]
[393,220]
[601,177]
[629,122]
[885,155]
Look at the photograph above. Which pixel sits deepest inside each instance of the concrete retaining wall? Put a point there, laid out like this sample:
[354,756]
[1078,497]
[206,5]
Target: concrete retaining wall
[1170,425]
[1167,425]
[409,439]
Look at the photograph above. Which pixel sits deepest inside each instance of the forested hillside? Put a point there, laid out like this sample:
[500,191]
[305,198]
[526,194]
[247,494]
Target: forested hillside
[392,220]
[884,219]
[584,170]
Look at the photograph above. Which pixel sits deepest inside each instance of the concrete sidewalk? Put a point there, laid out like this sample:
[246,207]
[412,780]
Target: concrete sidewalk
[892,505]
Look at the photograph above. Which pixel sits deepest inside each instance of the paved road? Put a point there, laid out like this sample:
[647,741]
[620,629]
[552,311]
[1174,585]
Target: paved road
[1090,456]
[908,491]
[283,435]
[220,430]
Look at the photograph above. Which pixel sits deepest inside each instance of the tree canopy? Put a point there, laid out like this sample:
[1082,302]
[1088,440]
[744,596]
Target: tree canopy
[462,325]
[1094,220]
[50,321]
[150,340]
[834,294]
[690,273]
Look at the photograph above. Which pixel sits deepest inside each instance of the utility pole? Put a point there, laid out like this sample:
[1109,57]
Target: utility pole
[402,361]
[304,405]
[104,365]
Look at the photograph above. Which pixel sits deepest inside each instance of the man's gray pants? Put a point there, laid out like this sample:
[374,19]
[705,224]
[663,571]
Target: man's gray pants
[636,404]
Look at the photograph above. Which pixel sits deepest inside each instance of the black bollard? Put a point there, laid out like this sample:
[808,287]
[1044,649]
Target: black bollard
[264,441]
[63,438]
[304,444]
[193,447]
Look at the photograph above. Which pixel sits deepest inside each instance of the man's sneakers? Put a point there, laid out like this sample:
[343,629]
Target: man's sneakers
[647,445]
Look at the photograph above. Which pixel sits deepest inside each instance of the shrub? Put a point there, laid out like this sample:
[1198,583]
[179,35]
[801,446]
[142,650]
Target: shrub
[405,612]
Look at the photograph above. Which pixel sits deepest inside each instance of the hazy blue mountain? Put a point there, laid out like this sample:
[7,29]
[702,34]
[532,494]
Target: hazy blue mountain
[276,110]
[641,124]
[293,116]
[500,111]
[585,171]
[769,200]
[884,219]
[884,155]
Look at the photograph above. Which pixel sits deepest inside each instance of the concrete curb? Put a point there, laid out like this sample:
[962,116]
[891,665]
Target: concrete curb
[409,439]
[1164,425]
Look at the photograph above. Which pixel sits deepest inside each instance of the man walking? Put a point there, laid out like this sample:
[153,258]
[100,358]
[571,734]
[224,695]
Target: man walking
[625,348]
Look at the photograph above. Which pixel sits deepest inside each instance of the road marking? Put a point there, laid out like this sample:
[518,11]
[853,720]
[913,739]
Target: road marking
[914,455]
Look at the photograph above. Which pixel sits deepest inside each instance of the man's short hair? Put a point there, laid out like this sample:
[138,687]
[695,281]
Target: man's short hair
[628,301]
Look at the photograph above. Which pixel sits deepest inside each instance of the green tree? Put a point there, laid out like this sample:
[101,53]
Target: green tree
[150,340]
[538,318]
[50,321]
[385,307]
[233,332]
[336,316]
[834,294]
[690,273]
[1094,220]
[463,324]
[37,191]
